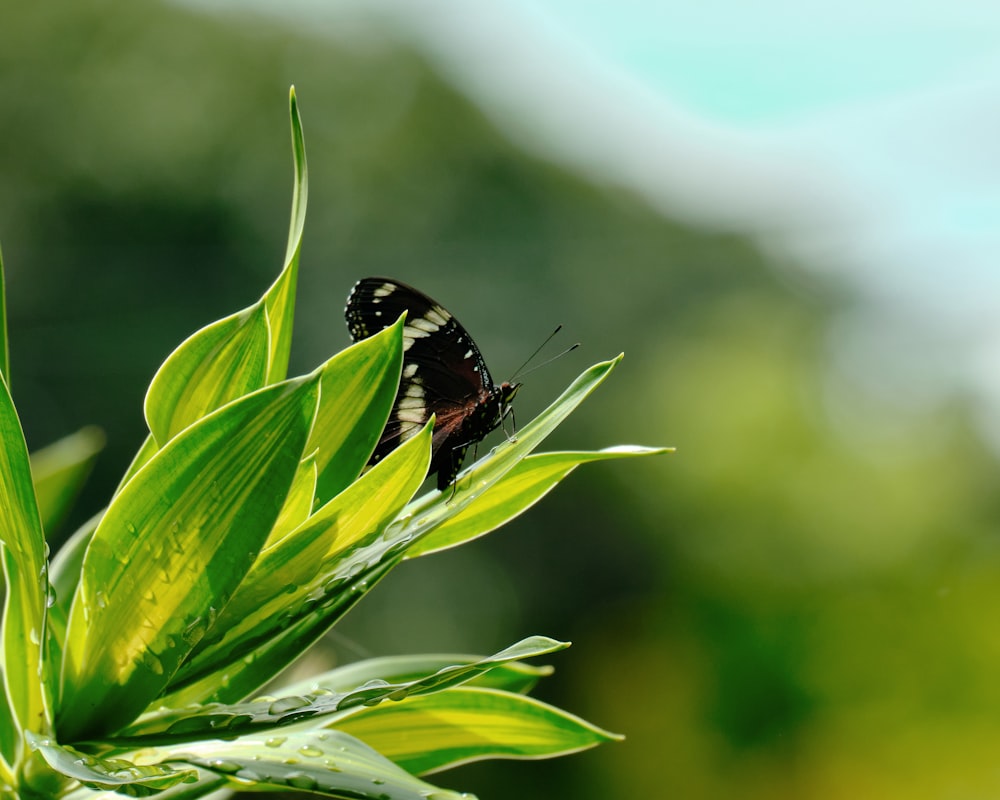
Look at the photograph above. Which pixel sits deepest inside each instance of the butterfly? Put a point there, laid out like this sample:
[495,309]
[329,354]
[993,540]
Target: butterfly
[444,375]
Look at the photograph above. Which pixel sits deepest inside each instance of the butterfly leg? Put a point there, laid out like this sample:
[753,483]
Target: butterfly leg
[512,436]
[449,463]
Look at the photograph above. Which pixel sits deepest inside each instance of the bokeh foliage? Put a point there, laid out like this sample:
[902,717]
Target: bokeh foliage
[800,598]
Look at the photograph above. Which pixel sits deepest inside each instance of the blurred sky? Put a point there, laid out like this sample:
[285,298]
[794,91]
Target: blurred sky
[857,139]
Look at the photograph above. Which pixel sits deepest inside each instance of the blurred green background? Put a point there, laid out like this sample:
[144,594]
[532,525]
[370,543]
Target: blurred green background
[797,604]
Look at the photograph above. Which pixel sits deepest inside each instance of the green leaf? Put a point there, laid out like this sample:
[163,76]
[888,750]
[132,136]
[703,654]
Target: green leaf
[269,713]
[9,741]
[282,585]
[357,391]
[448,676]
[4,342]
[27,679]
[514,676]
[327,763]
[244,678]
[435,508]
[146,451]
[298,504]
[171,549]
[513,494]
[242,352]
[206,788]
[68,562]
[361,569]
[217,364]
[433,732]
[280,298]
[113,774]
[59,471]
[66,565]
[64,573]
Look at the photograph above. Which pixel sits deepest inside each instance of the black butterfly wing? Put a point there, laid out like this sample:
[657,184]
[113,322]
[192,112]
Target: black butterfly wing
[443,371]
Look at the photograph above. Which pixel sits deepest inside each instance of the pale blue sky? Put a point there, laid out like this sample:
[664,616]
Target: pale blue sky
[760,61]
[854,138]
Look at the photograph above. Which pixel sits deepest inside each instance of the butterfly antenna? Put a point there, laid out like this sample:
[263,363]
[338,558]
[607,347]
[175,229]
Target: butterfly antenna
[521,372]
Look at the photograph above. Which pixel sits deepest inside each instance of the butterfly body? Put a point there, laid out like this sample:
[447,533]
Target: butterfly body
[443,375]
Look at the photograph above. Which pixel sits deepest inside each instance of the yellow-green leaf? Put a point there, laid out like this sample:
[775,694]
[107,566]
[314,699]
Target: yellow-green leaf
[171,549]
[26,671]
[280,298]
[59,471]
[146,451]
[513,494]
[217,364]
[283,583]
[435,508]
[64,572]
[242,352]
[357,391]
[328,763]
[194,721]
[298,504]
[113,774]
[428,733]
[514,676]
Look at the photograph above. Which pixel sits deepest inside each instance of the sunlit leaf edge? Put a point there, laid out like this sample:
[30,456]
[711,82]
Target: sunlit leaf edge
[480,723]
[226,443]
[525,484]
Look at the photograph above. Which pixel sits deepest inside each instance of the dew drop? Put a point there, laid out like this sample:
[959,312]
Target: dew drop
[152,662]
[238,720]
[300,780]
[285,704]
[194,630]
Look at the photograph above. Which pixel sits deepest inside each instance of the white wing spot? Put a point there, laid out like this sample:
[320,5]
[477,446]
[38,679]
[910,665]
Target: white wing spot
[410,333]
[425,324]
[437,315]
[468,354]
[383,291]
[408,429]
[409,370]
